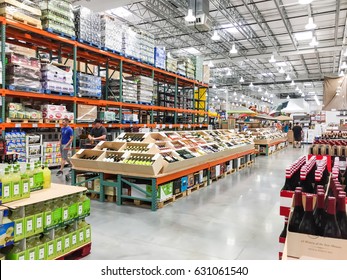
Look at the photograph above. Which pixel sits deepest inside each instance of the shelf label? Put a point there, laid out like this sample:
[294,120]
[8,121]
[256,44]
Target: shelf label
[18,125]
[200,125]
[170,126]
[131,125]
[163,126]
[110,125]
[189,126]
[181,125]
[57,125]
[157,126]
[35,125]
[145,125]
[90,125]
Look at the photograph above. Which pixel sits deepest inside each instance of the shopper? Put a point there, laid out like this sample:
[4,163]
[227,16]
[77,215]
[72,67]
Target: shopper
[286,128]
[65,144]
[98,132]
[297,131]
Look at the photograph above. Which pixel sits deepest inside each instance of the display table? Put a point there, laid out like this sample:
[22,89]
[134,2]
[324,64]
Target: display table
[268,146]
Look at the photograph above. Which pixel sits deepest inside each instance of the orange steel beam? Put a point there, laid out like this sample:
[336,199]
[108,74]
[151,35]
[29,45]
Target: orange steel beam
[25,94]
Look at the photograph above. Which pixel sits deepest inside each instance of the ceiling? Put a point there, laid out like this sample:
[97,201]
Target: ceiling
[259,29]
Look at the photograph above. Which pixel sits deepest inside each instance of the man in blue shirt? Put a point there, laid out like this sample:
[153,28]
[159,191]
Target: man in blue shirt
[65,144]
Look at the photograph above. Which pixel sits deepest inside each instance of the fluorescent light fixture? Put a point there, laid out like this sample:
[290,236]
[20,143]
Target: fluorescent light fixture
[297,88]
[233,49]
[300,91]
[241,80]
[305,2]
[344,65]
[190,17]
[342,73]
[292,83]
[302,36]
[262,98]
[215,36]
[303,95]
[235,98]
[281,64]
[281,70]
[288,97]
[210,64]
[229,72]
[272,59]
[251,85]
[192,51]
[121,12]
[271,95]
[214,86]
[288,78]
[259,89]
[235,93]
[314,42]
[311,24]
[266,93]
[223,101]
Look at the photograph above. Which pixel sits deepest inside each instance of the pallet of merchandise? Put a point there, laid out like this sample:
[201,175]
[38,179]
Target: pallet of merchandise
[108,198]
[48,91]
[218,177]
[106,49]
[55,121]
[89,43]
[8,120]
[59,33]
[22,6]
[23,88]
[20,17]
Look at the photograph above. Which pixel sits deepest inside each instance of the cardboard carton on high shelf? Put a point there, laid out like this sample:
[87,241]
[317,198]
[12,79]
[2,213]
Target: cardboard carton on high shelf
[86,113]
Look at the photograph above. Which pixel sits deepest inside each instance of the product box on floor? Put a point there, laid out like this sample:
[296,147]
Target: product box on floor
[164,191]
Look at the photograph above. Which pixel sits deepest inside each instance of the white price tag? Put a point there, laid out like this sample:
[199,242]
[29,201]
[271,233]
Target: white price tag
[48,219]
[39,222]
[18,125]
[145,125]
[16,189]
[50,249]
[67,243]
[58,246]
[21,258]
[65,214]
[88,233]
[163,126]
[170,126]
[74,239]
[19,228]
[32,256]
[81,237]
[131,125]
[80,210]
[35,125]
[90,125]
[29,225]
[42,253]
[57,125]
[181,126]
[25,188]
[189,126]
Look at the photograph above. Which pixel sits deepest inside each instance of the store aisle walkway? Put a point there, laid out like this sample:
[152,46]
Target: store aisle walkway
[234,218]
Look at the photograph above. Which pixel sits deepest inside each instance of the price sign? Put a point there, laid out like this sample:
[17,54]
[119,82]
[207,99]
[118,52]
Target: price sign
[35,125]
[163,126]
[90,125]
[181,126]
[18,125]
[170,126]
[57,125]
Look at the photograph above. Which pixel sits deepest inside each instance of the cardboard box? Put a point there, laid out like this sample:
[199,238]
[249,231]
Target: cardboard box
[66,243]
[29,226]
[176,186]
[85,164]
[87,234]
[38,223]
[50,252]
[137,193]
[74,240]
[150,148]
[81,237]
[6,229]
[86,113]
[184,183]
[111,167]
[164,191]
[41,252]
[108,145]
[190,180]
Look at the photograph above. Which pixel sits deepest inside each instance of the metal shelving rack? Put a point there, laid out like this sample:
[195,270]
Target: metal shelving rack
[65,50]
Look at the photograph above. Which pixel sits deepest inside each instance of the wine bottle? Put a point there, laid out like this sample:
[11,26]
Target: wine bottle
[307,224]
[341,216]
[284,231]
[298,212]
[319,213]
[331,228]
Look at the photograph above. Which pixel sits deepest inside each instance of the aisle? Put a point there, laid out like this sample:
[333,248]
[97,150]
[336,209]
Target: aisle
[234,218]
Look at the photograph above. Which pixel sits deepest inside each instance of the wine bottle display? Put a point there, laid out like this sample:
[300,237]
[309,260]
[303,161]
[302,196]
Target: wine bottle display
[307,224]
[341,216]
[319,213]
[298,212]
[331,228]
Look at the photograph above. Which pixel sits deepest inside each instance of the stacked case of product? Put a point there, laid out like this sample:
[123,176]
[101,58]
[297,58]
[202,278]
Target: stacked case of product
[146,46]
[190,69]
[88,85]
[181,67]
[111,34]
[160,57]
[87,25]
[15,142]
[145,88]
[131,42]
[23,72]
[18,111]
[171,64]
[129,90]
[56,112]
[51,153]
[21,10]
[198,62]
[57,15]
[56,78]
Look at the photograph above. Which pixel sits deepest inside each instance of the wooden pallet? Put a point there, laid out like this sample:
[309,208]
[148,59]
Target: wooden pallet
[22,6]
[108,198]
[179,195]
[8,120]
[241,166]
[231,171]
[77,254]
[22,18]
[166,202]
[196,188]
[218,177]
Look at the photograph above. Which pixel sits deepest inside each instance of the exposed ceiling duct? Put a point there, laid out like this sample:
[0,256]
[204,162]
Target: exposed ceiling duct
[201,12]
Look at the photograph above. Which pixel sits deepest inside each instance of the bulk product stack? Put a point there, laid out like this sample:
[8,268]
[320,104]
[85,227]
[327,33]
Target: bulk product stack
[22,72]
[181,67]
[145,88]
[56,78]
[131,43]
[57,16]
[88,85]
[171,64]
[146,47]
[129,90]
[56,113]
[22,11]
[199,71]
[111,34]
[17,111]
[190,68]
[160,57]
[16,143]
[88,26]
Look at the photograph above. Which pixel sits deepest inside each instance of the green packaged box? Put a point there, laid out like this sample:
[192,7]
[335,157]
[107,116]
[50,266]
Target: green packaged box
[17,192]
[50,250]
[87,234]
[25,188]
[31,254]
[47,219]
[73,211]
[6,191]
[41,252]
[58,246]
[38,223]
[164,192]
[74,240]
[57,216]
[86,207]
[29,226]
[80,235]
[19,229]
[16,256]
[67,243]
[79,209]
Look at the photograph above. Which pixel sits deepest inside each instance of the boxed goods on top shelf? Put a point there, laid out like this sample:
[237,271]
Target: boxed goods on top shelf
[56,112]
[57,15]
[190,68]
[198,63]
[107,116]
[111,34]
[25,11]
[87,25]
[88,85]
[22,72]
[145,88]
[146,46]
[86,113]
[181,67]
[131,42]
[171,64]
[57,78]
[129,90]
[160,57]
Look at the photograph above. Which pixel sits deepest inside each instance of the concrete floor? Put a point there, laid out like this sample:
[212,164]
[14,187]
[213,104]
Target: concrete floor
[233,218]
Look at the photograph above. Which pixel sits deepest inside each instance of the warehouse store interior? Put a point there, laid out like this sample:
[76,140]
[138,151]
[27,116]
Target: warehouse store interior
[189,129]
